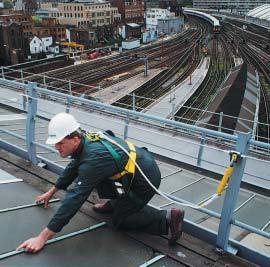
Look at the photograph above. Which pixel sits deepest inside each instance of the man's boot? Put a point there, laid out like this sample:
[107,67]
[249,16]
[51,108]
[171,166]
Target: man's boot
[103,207]
[175,221]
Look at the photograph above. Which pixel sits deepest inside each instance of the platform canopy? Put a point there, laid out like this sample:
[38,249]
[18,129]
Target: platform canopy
[260,12]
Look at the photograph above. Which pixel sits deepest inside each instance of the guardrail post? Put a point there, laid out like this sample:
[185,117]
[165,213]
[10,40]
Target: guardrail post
[199,159]
[145,66]
[24,101]
[220,121]
[232,194]
[3,73]
[22,75]
[70,93]
[126,126]
[133,102]
[44,81]
[30,123]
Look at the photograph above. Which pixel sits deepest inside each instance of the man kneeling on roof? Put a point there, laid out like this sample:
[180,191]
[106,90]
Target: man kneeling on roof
[98,163]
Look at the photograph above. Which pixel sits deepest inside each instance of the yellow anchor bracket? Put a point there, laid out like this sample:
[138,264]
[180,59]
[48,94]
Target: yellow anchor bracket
[234,158]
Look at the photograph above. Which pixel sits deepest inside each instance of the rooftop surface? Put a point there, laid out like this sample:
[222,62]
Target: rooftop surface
[103,246]
[106,246]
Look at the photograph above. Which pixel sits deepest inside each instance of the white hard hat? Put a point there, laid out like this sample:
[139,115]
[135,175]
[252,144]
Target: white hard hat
[60,126]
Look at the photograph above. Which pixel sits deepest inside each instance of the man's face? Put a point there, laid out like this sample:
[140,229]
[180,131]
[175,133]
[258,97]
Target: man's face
[67,146]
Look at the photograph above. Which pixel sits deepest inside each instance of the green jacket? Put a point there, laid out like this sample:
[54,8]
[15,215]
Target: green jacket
[92,163]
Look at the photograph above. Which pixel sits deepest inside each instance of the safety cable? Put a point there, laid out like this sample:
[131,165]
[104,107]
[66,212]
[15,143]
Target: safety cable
[235,156]
[102,135]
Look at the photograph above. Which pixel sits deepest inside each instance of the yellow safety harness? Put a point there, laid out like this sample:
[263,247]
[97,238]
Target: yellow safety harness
[129,168]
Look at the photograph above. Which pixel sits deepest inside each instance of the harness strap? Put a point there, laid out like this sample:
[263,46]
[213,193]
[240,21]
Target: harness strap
[117,158]
[130,166]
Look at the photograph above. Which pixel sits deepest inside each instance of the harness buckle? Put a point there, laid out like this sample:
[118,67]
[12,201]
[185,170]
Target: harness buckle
[93,136]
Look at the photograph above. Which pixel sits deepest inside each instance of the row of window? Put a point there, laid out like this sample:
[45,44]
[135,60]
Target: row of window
[101,14]
[80,15]
[81,8]
[135,3]
[95,22]
[133,15]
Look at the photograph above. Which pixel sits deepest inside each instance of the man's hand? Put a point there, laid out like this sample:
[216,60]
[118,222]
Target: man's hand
[35,244]
[46,197]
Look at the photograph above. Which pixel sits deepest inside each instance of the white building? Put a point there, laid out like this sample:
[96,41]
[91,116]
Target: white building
[43,44]
[154,14]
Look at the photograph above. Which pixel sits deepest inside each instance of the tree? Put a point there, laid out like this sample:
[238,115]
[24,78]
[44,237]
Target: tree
[8,4]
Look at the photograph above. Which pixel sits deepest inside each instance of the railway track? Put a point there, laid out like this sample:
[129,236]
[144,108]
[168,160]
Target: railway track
[221,61]
[251,46]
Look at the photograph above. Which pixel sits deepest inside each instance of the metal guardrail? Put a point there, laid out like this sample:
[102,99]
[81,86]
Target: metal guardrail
[68,85]
[32,93]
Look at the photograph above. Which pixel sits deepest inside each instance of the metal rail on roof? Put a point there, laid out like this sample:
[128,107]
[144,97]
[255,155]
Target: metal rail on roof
[243,141]
[56,239]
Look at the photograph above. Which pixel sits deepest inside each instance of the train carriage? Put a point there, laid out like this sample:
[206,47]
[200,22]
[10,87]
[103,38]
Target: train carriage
[214,22]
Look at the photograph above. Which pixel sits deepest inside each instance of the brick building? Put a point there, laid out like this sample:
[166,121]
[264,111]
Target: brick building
[131,11]
[50,27]
[19,17]
[13,45]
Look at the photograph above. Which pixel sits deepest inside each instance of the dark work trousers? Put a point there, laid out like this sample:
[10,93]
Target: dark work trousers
[130,209]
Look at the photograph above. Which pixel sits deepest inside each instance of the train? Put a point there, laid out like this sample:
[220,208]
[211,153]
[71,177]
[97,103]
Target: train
[214,22]
[98,53]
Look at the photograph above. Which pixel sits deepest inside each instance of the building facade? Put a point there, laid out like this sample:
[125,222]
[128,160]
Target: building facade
[83,36]
[50,27]
[235,6]
[132,11]
[162,20]
[83,13]
[13,46]
[19,17]
[153,15]
[43,45]
[30,6]
[170,25]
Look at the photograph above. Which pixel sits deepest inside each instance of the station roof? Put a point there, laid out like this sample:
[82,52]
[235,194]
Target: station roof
[260,12]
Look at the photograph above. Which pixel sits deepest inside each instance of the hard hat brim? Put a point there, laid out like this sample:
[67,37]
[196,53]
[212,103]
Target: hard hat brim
[52,140]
